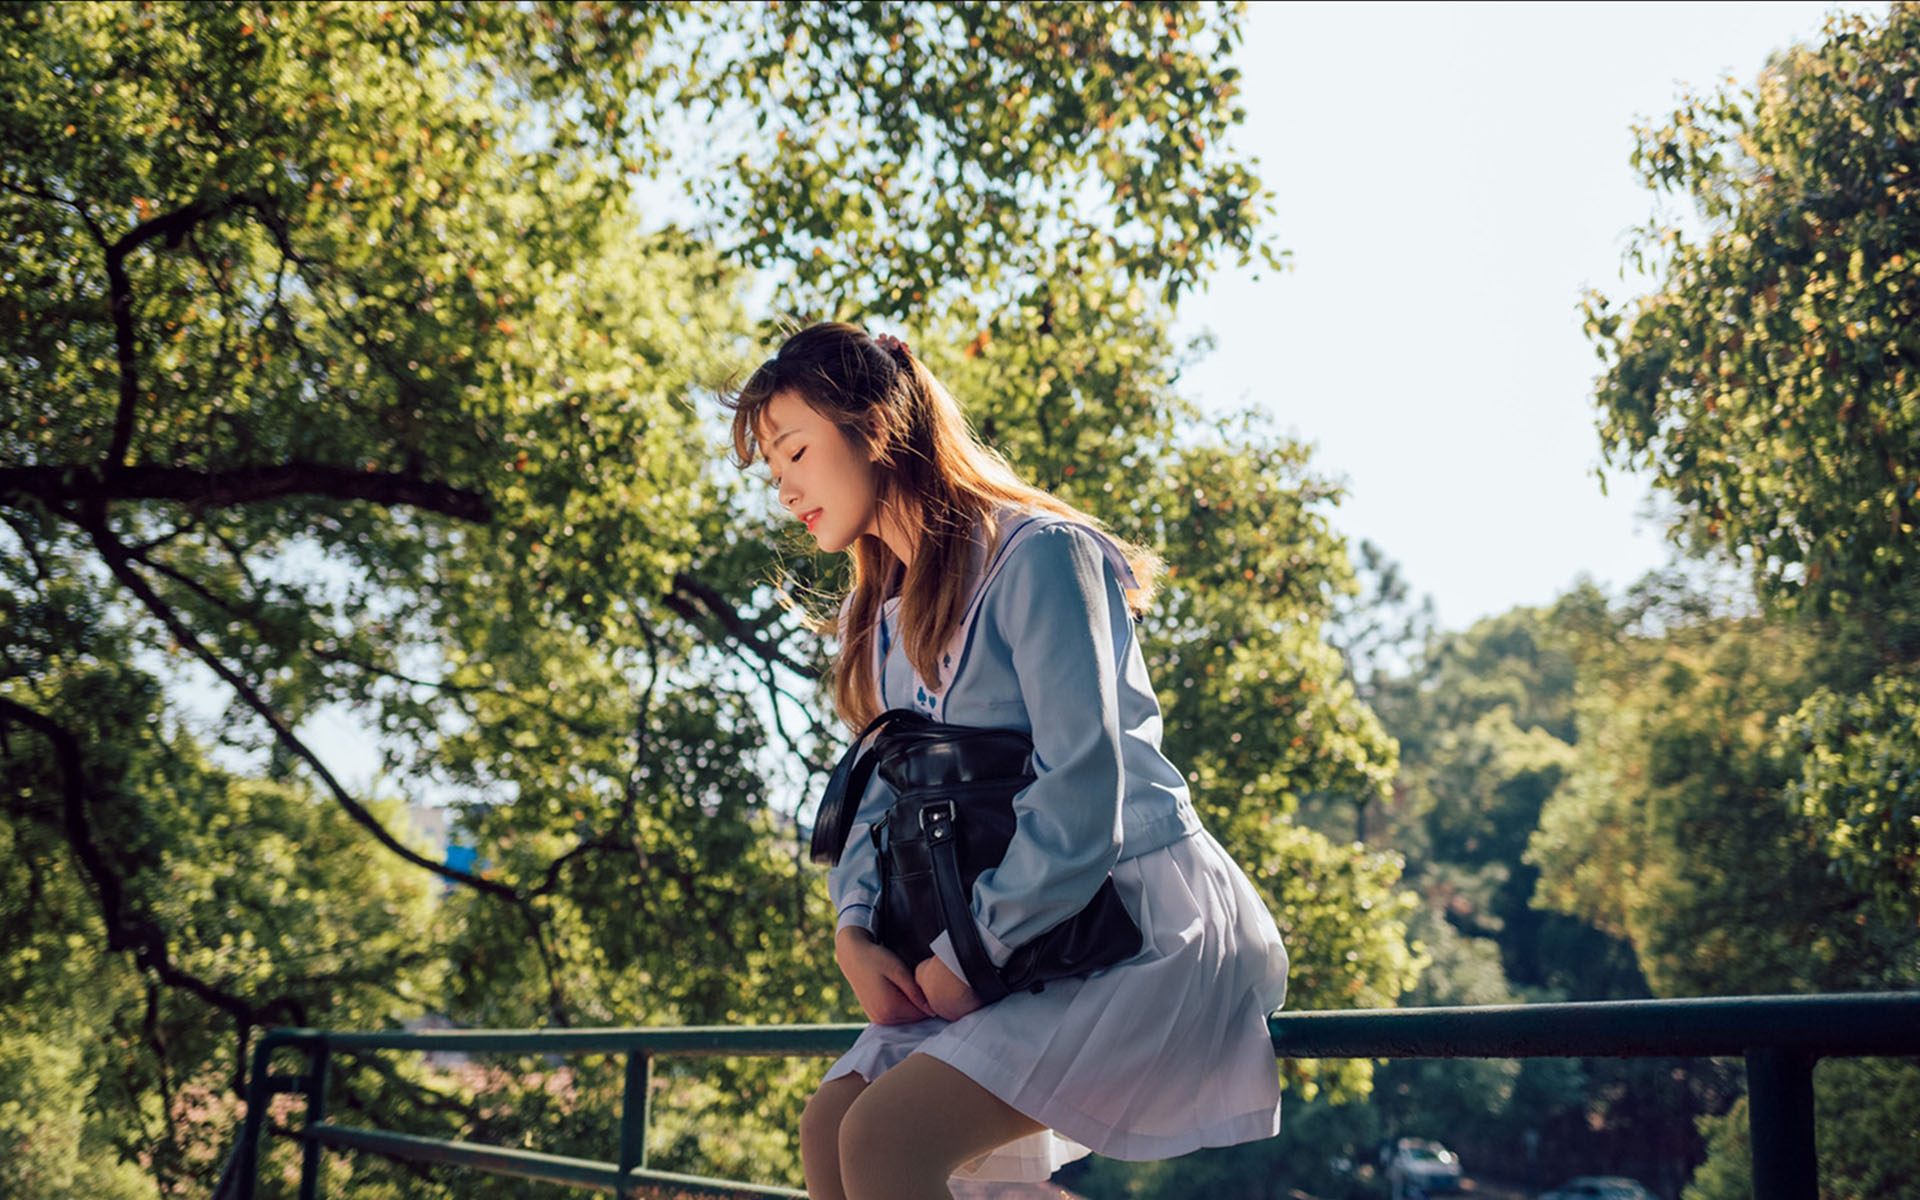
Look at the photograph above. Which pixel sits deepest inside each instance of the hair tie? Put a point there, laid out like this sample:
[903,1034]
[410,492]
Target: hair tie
[892,344]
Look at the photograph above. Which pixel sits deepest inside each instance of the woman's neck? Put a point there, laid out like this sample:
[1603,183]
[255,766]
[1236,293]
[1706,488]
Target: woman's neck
[898,538]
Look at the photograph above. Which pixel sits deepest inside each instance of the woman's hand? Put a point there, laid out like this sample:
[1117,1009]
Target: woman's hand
[946,992]
[881,982]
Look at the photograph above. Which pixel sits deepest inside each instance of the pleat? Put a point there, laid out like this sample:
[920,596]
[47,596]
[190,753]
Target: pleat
[1159,1055]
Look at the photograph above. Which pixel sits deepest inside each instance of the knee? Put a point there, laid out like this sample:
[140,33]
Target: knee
[820,1129]
[871,1149]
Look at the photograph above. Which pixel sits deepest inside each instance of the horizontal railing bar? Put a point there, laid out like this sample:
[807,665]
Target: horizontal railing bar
[529,1164]
[695,1185]
[1866,1023]
[500,1160]
[723,1040]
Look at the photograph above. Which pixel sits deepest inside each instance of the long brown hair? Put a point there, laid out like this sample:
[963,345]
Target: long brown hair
[932,477]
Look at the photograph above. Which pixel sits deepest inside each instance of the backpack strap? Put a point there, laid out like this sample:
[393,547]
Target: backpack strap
[846,787]
[938,823]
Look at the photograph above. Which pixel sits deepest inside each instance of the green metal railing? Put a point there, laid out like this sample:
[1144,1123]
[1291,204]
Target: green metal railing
[1780,1037]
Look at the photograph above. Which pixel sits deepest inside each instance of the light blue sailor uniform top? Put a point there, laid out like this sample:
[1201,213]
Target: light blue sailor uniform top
[1047,646]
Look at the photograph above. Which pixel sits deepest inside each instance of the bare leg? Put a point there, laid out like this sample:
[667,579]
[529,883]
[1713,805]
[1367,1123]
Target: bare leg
[906,1132]
[820,1136]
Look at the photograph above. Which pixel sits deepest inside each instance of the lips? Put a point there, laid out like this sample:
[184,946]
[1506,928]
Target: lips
[810,518]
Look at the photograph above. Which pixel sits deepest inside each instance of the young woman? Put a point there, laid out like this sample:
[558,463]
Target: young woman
[978,600]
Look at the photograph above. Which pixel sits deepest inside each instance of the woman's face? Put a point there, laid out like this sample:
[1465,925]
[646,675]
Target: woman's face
[819,477]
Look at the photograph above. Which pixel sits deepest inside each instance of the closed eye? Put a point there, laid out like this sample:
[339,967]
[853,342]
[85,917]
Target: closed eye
[793,458]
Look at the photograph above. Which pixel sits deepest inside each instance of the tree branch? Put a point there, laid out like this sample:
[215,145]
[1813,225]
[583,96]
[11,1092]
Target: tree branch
[277,225]
[120,304]
[173,226]
[556,998]
[716,606]
[624,823]
[238,485]
[140,934]
[151,544]
[250,613]
[119,560]
[552,880]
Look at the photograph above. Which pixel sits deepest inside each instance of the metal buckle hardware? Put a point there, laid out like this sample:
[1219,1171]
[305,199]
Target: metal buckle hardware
[936,820]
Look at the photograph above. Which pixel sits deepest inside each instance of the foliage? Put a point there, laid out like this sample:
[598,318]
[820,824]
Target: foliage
[203,903]
[1864,1136]
[1258,712]
[1772,382]
[930,157]
[1673,832]
[1755,792]
[1486,722]
[1859,788]
[51,1148]
[1770,385]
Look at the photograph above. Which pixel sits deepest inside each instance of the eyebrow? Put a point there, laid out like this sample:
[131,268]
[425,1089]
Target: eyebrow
[766,451]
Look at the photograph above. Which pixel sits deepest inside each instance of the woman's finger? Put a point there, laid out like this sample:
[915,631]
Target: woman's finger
[902,978]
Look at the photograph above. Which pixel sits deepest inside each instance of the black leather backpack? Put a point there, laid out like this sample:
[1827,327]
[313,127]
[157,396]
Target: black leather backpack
[953,818]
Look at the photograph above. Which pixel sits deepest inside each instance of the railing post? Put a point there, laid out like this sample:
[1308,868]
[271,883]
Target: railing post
[316,1091]
[257,1093]
[1780,1124]
[634,1107]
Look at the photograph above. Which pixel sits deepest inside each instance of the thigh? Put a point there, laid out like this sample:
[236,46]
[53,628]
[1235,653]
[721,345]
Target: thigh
[933,1112]
[820,1135]
[830,1101]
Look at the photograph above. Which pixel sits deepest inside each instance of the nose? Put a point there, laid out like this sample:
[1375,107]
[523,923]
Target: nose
[787,495]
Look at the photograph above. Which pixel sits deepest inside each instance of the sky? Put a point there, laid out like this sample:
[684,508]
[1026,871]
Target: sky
[1450,179]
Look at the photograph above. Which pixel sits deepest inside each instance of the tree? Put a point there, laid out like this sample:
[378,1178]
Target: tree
[1486,722]
[53,1151]
[157,908]
[1858,789]
[1879,1157]
[1674,832]
[1770,384]
[344,369]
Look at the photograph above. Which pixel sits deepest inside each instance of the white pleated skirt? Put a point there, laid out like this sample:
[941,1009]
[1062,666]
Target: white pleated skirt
[1162,1054]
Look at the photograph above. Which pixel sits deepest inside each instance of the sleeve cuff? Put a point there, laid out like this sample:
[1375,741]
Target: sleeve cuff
[942,948]
[998,952]
[858,915]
